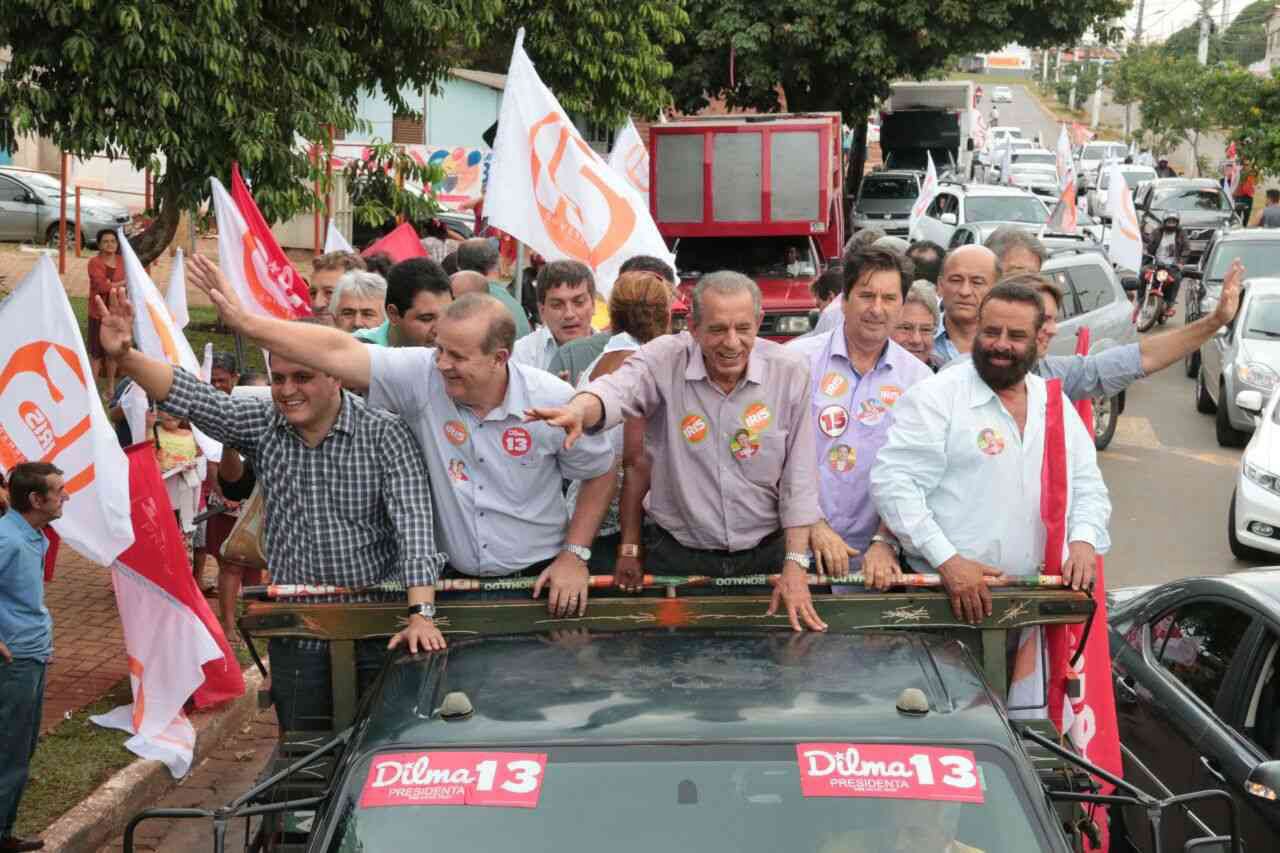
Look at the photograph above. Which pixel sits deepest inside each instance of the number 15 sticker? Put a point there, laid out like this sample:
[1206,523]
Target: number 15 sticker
[896,771]
[505,779]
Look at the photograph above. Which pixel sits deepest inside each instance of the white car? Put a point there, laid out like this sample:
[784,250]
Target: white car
[959,204]
[1001,94]
[1253,520]
[1093,155]
[1133,176]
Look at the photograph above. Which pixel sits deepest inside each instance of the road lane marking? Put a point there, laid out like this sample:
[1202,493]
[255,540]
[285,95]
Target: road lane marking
[1137,432]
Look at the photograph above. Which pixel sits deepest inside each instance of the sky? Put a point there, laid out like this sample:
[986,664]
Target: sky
[1162,18]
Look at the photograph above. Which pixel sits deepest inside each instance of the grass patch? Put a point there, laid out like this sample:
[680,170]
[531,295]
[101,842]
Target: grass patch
[71,761]
[203,317]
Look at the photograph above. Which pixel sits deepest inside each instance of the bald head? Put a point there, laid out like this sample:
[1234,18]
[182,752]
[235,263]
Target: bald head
[493,326]
[468,281]
[967,274]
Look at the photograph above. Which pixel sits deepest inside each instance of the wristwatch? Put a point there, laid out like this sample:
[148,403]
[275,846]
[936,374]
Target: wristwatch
[629,550]
[425,610]
[893,544]
[800,559]
[583,554]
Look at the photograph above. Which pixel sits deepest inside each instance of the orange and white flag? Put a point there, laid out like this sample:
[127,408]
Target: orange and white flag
[630,158]
[1124,240]
[552,192]
[176,296]
[155,331]
[247,265]
[50,411]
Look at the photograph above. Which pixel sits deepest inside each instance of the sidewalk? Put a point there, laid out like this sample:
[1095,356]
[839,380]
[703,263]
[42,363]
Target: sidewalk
[88,642]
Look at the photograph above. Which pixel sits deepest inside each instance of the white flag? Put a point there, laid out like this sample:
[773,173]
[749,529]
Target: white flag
[630,159]
[928,189]
[334,241]
[155,331]
[1006,166]
[1066,165]
[1124,240]
[176,296]
[550,191]
[50,411]
[245,263]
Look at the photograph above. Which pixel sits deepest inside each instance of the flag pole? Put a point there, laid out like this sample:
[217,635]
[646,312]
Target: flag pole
[240,352]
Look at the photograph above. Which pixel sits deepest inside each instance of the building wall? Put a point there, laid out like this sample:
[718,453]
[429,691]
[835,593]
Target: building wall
[375,109]
[460,112]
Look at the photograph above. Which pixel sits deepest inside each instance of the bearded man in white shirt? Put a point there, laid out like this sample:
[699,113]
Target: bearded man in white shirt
[978,429]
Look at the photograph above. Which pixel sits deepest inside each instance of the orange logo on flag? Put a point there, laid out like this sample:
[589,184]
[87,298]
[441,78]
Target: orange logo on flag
[637,169]
[254,255]
[1129,226]
[166,339]
[563,220]
[30,358]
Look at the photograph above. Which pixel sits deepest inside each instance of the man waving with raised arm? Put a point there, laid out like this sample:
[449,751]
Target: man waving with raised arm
[496,481]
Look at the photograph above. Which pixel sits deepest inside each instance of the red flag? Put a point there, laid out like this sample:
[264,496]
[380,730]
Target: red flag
[51,556]
[1088,718]
[279,268]
[401,244]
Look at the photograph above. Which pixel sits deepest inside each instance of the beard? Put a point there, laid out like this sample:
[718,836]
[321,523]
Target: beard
[1002,376]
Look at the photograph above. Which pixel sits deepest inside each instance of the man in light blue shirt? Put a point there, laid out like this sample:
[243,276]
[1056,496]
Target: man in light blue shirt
[968,273]
[36,494]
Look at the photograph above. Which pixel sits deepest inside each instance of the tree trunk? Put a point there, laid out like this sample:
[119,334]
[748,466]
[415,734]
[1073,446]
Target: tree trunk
[150,244]
[856,165]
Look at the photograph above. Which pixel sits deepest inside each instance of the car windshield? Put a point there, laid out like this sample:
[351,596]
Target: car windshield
[1131,179]
[42,182]
[1191,198]
[1035,157]
[1260,259]
[890,188]
[740,798]
[1263,320]
[778,258]
[1011,208]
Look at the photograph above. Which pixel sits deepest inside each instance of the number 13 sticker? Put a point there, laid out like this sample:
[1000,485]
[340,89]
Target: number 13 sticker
[504,779]
[895,771]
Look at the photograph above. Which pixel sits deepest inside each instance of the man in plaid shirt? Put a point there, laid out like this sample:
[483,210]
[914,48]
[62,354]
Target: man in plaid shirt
[346,496]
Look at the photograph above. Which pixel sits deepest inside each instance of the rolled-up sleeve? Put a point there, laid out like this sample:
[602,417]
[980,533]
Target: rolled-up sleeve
[907,469]
[1103,374]
[407,495]
[632,390]
[798,491]
[1089,515]
[236,421]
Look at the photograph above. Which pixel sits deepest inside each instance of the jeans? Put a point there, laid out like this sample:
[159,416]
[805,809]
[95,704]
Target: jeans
[21,702]
[666,556]
[301,682]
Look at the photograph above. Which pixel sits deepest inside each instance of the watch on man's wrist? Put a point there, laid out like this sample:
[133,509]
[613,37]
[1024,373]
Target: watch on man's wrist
[630,550]
[799,558]
[893,544]
[425,610]
[582,553]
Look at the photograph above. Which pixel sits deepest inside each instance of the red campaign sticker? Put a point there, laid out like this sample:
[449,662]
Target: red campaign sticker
[506,779]
[516,441]
[895,771]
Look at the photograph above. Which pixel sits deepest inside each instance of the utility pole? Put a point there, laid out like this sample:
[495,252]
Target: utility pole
[1097,97]
[1044,77]
[1057,68]
[1071,99]
[1226,9]
[1137,42]
[1202,52]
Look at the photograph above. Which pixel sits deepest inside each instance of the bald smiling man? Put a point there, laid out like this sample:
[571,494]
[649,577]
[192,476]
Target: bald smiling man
[968,274]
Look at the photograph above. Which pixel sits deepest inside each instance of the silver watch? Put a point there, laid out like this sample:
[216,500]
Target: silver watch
[582,553]
[425,610]
[800,559]
[894,545]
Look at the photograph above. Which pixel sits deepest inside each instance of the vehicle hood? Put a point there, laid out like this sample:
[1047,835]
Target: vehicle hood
[1195,218]
[1125,594]
[884,205]
[1264,447]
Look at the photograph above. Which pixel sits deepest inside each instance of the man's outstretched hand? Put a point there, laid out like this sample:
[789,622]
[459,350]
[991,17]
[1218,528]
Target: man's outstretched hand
[1229,300]
[569,418]
[116,334]
[204,274]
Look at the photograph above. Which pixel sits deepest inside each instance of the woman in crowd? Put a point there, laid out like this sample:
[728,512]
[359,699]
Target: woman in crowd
[106,270]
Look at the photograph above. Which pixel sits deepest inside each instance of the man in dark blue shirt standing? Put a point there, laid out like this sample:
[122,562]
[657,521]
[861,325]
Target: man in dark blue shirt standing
[36,496]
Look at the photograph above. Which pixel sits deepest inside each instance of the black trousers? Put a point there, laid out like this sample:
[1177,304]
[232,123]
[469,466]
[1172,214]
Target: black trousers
[665,555]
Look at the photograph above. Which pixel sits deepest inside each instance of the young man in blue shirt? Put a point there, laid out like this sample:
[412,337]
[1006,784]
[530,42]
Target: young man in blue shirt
[36,496]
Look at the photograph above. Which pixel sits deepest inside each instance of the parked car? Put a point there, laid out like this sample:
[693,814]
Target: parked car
[1199,203]
[1257,248]
[958,204]
[30,209]
[1094,155]
[884,201]
[1198,703]
[1002,95]
[1253,520]
[1244,356]
[1097,198]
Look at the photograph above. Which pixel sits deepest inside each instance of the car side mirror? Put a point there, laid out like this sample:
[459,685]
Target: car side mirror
[1192,273]
[30,198]
[1211,844]
[948,219]
[1251,402]
[1264,781]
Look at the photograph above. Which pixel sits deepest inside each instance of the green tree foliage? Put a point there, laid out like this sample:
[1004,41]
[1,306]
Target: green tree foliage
[1244,41]
[188,86]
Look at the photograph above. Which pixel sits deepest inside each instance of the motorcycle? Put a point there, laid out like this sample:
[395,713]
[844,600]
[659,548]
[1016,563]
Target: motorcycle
[1158,278]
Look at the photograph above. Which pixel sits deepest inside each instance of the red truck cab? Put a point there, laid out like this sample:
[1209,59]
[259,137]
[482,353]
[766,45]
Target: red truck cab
[758,194]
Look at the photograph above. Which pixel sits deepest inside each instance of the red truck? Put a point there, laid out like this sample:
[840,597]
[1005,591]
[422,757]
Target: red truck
[759,194]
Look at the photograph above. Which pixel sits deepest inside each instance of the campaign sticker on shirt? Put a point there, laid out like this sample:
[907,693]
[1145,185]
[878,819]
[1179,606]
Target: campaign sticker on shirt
[694,428]
[504,779]
[757,417]
[889,395]
[990,442]
[456,432]
[871,412]
[893,771]
[841,458]
[833,421]
[834,384]
[458,471]
[744,444]
[516,441]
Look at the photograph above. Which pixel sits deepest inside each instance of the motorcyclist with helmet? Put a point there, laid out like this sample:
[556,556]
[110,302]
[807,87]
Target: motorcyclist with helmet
[1167,245]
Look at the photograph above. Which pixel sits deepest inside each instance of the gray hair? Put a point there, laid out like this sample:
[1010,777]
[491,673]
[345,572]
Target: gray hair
[479,254]
[1007,238]
[725,282]
[502,326]
[361,285]
[923,293]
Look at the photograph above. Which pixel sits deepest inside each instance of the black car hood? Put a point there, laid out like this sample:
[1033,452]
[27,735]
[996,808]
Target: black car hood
[1195,218]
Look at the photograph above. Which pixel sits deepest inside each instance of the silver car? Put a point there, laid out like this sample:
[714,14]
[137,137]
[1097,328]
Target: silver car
[1245,355]
[30,209]
[885,200]
[1098,199]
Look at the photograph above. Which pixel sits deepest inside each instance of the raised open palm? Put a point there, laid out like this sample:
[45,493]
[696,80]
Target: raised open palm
[117,323]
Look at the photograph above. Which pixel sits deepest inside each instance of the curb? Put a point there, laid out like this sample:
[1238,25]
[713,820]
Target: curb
[103,815]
